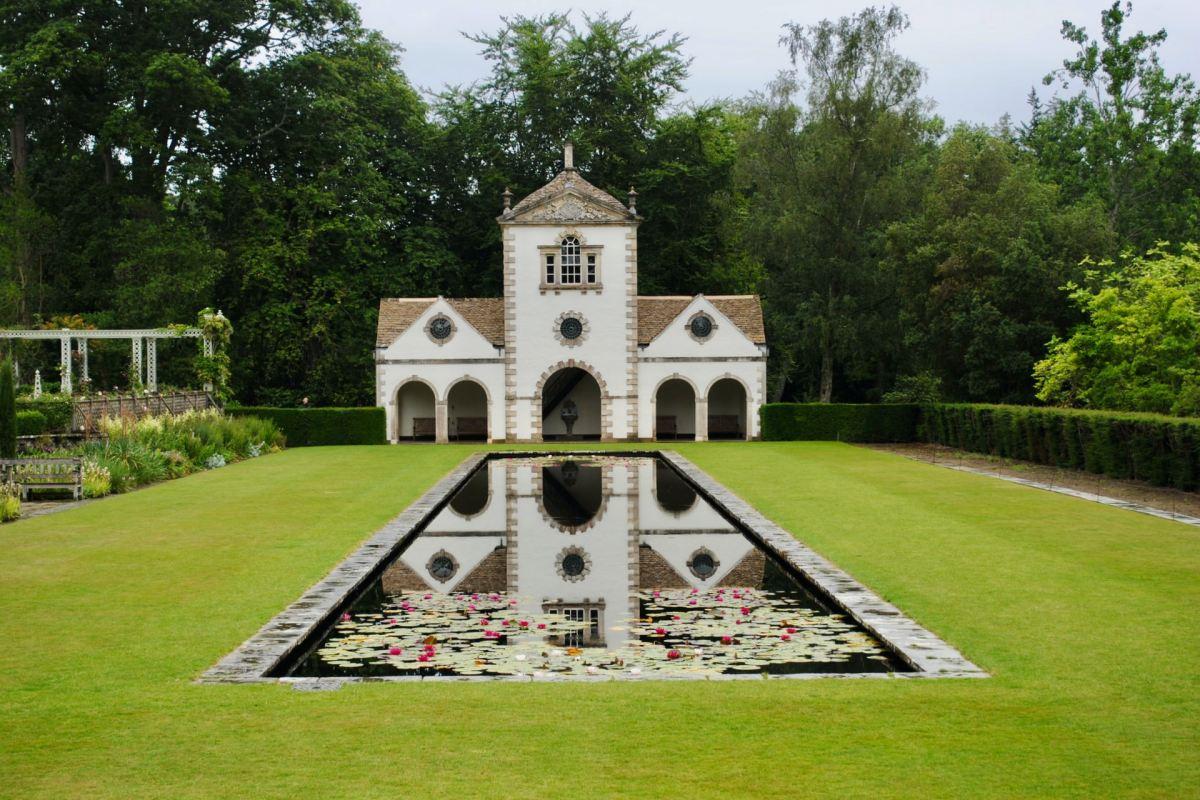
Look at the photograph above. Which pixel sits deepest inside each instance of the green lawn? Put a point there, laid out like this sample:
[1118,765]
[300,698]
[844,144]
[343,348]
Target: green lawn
[1088,617]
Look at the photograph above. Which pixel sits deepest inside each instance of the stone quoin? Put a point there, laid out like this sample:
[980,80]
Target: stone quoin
[570,332]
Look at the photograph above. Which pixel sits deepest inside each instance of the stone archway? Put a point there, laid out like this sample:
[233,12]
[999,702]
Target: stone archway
[675,408]
[580,382]
[728,402]
[416,411]
[468,408]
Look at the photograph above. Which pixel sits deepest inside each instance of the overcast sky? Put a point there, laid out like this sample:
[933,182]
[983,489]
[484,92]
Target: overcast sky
[981,57]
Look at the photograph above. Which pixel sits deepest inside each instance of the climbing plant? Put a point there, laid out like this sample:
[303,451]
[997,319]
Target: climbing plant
[214,368]
[8,411]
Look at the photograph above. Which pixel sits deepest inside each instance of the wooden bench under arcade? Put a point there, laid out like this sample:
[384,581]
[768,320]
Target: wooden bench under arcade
[723,426]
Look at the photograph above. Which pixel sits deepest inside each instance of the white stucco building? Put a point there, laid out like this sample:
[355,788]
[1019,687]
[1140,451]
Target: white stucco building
[571,349]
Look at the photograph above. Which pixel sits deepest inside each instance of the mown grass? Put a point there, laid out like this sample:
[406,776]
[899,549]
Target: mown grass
[1085,615]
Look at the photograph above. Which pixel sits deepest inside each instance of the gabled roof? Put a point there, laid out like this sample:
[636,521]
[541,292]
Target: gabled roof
[397,314]
[743,310]
[565,184]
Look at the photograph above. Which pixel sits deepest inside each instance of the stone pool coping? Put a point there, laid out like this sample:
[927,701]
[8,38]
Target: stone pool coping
[249,663]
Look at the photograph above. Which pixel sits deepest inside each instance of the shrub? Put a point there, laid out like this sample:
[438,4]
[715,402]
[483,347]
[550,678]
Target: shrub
[10,501]
[97,481]
[306,427]
[8,411]
[57,409]
[839,421]
[31,423]
[1161,450]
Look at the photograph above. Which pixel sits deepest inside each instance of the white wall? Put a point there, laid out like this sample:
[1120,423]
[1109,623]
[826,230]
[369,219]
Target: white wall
[605,311]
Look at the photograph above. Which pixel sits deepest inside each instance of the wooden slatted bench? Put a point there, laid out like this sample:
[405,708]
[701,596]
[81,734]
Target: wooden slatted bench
[665,427]
[424,428]
[724,425]
[45,473]
[471,427]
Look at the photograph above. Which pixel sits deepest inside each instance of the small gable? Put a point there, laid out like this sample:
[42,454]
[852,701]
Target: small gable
[743,310]
[397,315]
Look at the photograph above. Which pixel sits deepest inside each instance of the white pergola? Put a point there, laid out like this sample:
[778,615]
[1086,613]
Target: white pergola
[143,347]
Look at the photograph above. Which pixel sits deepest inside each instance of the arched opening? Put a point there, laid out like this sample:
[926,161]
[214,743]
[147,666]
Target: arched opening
[572,494]
[571,405]
[673,493]
[472,498]
[467,411]
[675,410]
[416,412]
[727,410]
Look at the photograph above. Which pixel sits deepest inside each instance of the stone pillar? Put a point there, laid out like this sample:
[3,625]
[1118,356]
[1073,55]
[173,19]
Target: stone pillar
[152,364]
[701,419]
[441,422]
[65,349]
[83,356]
[135,361]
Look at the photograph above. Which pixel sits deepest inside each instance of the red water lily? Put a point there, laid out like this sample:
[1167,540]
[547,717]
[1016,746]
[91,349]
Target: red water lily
[726,640]
[673,654]
[395,651]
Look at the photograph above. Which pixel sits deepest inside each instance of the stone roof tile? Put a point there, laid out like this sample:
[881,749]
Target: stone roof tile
[397,314]
[744,310]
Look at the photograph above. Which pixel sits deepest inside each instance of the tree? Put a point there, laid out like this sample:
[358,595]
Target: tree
[1128,136]
[8,410]
[825,176]
[1139,348]
[978,268]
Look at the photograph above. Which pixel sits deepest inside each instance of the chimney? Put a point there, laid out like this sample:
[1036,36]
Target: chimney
[568,156]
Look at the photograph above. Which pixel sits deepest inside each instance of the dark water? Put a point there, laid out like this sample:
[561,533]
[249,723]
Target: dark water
[586,566]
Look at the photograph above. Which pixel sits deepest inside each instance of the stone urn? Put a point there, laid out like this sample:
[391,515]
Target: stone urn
[569,413]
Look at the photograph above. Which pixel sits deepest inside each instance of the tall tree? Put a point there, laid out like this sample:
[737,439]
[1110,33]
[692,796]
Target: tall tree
[826,172]
[1128,136]
[978,269]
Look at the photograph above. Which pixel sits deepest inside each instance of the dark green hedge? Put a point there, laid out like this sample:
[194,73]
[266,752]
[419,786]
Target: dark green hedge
[305,427]
[839,421]
[1161,450]
[31,423]
[56,409]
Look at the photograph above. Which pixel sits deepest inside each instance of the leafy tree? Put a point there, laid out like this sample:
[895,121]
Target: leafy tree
[1139,348]
[8,411]
[1127,136]
[825,175]
[979,266]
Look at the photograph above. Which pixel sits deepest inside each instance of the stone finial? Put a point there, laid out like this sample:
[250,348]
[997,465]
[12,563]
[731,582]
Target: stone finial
[568,155]
[632,200]
[507,198]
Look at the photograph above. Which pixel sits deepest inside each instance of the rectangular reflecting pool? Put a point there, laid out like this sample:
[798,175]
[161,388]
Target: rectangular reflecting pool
[585,565]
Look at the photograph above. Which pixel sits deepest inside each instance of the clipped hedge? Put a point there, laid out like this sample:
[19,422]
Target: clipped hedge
[1161,450]
[305,427]
[57,410]
[31,423]
[846,422]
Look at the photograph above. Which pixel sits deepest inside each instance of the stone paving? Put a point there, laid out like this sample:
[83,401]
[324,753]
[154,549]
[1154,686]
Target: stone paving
[254,660]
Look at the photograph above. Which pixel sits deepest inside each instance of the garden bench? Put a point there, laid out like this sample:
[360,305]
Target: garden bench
[45,473]
[665,427]
[424,428]
[471,427]
[725,425]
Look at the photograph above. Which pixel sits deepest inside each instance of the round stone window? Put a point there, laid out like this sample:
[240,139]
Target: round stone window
[442,566]
[573,564]
[571,328]
[703,563]
[701,326]
[440,328]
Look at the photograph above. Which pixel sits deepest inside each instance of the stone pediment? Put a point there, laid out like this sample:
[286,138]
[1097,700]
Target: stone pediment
[568,198]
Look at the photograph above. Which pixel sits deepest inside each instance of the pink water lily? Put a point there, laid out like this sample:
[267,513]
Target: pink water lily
[745,611]
[423,657]
[726,640]
[661,631]
[524,623]
[791,630]
[785,637]
[673,654]
[541,626]
[395,651]
[345,617]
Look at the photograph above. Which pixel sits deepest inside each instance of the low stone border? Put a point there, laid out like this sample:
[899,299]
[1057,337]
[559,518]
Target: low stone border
[292,626]
[928,655]
[920,648]
[1091,497]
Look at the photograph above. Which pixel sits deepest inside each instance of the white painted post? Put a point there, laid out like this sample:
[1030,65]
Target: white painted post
[64,385]
[208,352]
[83,366]
[135,367]
[152,363]
[37,384]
